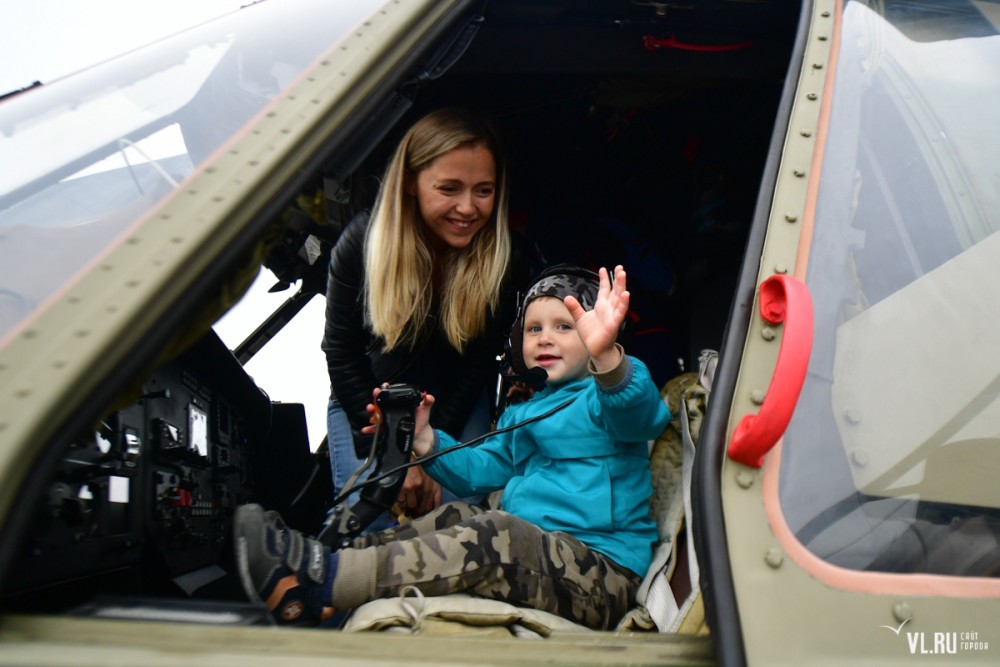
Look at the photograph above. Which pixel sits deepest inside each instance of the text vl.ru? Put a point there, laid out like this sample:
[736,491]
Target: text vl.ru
[944,643]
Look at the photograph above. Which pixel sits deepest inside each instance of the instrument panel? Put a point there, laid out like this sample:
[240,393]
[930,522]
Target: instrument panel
[143,504]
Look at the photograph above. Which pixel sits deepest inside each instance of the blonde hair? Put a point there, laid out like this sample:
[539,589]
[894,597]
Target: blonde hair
[399,294]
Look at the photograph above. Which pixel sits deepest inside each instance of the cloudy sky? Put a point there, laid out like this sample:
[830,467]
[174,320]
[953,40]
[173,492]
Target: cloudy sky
[43,40]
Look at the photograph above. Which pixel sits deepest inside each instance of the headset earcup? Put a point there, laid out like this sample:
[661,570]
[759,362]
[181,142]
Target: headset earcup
[514,350]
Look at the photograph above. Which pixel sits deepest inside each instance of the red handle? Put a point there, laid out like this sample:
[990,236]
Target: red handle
[782,299]
[652,43]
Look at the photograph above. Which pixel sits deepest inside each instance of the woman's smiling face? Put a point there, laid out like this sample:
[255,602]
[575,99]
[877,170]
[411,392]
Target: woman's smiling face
[456,193]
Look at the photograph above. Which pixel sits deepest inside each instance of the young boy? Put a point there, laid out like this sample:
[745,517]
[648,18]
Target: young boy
[573,536]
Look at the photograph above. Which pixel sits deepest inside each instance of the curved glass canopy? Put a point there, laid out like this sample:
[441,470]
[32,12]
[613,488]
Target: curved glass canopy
[85,157]
[891,460]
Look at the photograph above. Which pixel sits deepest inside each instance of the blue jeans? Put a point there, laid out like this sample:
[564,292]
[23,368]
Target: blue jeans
[343,460]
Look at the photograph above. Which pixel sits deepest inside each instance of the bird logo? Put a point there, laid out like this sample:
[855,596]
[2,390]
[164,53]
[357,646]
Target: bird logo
[897,629]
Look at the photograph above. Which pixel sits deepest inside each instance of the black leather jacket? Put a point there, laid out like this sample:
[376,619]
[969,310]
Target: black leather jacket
[357,363]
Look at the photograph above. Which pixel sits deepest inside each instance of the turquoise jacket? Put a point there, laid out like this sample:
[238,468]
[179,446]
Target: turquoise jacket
[583,470]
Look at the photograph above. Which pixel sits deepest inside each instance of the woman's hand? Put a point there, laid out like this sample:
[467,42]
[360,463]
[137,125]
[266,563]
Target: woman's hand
[420,493]
[423,435]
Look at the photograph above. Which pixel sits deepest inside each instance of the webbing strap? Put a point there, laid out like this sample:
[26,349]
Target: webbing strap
[659,601]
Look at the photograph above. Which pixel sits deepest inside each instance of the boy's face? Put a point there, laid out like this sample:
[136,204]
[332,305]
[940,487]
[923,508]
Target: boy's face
[552,342]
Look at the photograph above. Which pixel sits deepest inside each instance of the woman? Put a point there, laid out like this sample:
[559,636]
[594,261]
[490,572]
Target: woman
[422,291]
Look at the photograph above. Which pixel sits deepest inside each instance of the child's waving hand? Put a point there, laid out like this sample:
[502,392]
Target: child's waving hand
[598,328]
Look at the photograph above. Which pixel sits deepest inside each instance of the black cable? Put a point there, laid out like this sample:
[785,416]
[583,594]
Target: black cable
[462,445]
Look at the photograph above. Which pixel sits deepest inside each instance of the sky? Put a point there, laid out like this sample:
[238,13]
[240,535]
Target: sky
[43,40]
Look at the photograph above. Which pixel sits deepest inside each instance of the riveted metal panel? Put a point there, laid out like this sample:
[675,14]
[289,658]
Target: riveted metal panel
[788,615]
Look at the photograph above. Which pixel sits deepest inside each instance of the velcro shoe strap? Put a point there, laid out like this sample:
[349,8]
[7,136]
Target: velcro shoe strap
[293,554]
[316,564]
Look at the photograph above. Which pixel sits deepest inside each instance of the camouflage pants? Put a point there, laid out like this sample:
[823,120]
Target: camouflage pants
[492,553]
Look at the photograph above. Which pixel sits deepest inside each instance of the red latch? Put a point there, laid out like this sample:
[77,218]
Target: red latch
[652,43]
[782,299]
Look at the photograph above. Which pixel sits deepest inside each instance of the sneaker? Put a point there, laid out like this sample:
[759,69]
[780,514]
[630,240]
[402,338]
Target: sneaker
[280,568]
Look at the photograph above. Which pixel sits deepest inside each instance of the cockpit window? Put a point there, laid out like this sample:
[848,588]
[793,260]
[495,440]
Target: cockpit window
[891,460]
[84,158]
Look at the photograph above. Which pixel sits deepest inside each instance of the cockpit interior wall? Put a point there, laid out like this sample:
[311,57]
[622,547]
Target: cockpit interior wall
[665,186]
[625,152]
[144,503]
